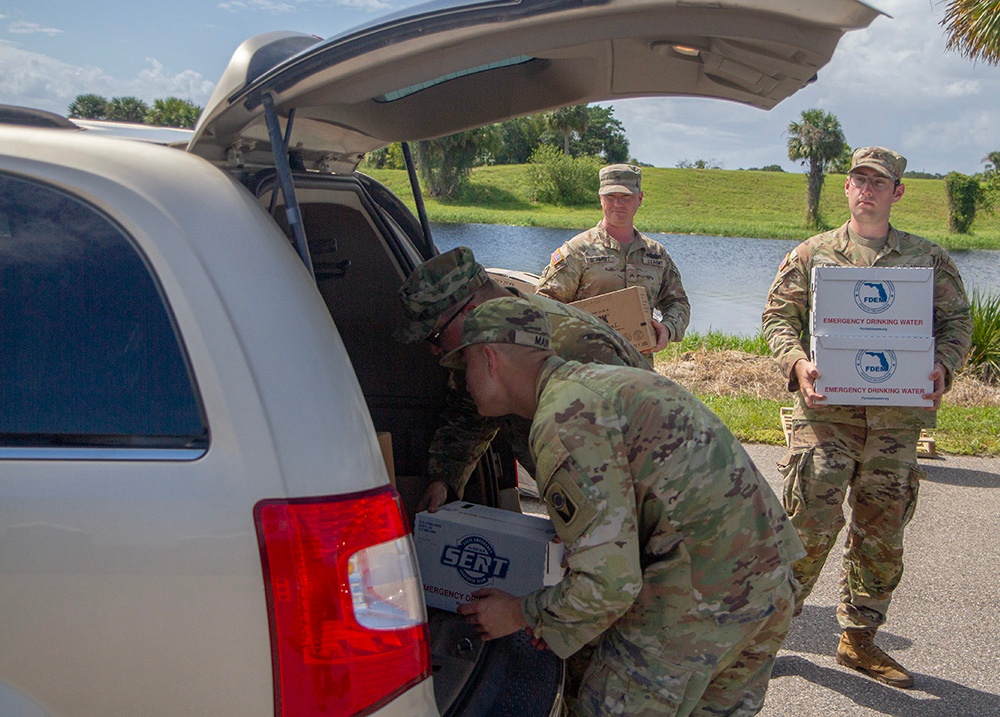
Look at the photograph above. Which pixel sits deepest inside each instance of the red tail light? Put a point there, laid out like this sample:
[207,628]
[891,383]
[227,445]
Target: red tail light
[348,623]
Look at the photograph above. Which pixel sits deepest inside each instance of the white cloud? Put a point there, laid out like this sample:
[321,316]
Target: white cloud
[276,7]
[256,5]
[20,27]
[36,80]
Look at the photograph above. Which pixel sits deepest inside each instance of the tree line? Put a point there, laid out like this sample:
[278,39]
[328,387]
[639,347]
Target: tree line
[571,142]
[167,112]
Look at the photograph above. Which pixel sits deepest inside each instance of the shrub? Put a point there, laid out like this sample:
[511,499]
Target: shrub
[965,195]
[984,357]
[556,178]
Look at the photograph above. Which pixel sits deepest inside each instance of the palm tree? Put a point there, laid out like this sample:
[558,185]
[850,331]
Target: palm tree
[173,112]
[127,109]
[992,162]
[88,107]
[818,139]
[973,29]
[567,120]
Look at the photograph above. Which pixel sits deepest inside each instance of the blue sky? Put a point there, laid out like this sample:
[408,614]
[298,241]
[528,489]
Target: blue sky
[892,84]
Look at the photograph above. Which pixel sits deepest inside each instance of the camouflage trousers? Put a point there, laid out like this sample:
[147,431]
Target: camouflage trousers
[877,472]
[707,669]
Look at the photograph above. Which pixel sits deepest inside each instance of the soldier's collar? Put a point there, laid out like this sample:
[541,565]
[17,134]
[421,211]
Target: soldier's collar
[548,368]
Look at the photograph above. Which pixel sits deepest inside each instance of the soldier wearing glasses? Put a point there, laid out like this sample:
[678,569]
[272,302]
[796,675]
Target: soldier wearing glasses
[614,255]
[436,298]
[866,454]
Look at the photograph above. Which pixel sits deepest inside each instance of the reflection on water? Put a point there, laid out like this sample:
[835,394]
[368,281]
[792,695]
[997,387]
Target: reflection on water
[726,278]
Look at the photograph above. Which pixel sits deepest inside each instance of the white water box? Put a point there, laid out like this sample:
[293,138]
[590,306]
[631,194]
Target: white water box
[873,370]
[464,547]
[874,301]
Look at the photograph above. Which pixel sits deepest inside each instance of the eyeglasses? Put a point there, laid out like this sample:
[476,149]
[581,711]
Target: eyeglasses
[434,338]
[879,184]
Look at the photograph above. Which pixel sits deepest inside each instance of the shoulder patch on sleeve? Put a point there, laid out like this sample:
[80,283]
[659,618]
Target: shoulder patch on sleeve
[784,262]
[570,510]
[557,256]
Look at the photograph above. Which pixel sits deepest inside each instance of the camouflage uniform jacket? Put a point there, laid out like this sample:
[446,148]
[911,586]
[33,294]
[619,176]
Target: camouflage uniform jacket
[594,263]
[464,435]
[786,318]
[669,528]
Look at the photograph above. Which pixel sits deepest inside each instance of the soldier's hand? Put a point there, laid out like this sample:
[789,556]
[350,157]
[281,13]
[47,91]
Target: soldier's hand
[806,373]
[662,334]
[434,497]
[937,376]
[494,613]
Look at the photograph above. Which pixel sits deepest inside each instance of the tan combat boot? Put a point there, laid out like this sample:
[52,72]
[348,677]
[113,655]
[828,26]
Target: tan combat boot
[858,650]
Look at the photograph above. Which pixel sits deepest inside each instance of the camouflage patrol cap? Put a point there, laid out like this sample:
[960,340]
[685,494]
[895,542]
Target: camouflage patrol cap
[882,160]
[620,179]
[502,321]
[434,287]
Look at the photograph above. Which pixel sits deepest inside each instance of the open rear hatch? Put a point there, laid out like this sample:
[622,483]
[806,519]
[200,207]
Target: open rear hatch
[441,68]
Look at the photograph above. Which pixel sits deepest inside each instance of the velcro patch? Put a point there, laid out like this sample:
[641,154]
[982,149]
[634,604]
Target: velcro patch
[653,261]
[568,507]
[602,259]
[556,257]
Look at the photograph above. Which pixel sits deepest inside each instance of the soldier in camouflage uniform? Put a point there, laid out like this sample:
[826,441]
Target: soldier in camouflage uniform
[867,454]
[678,553]
[436,296]
[614,255]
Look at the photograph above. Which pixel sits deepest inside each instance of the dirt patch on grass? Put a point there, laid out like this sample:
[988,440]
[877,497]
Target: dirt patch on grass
[734,373]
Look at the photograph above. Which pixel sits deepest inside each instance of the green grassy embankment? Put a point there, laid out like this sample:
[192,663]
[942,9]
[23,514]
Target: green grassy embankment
[715,202]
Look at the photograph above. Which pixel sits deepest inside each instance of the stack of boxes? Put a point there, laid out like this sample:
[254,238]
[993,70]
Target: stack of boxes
[873,335]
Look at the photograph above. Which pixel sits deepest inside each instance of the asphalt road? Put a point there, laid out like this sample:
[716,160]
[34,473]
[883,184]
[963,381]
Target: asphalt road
[943,624]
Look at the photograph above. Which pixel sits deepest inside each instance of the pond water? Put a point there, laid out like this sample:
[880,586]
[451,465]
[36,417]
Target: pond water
[726,278]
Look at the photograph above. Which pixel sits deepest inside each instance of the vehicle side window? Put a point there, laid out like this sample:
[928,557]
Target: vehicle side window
[88,352]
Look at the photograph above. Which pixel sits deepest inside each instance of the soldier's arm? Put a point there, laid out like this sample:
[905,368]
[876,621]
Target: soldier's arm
[785,317]
[597,522]
[672,301]
[459,441]
[952,320]
[561,278]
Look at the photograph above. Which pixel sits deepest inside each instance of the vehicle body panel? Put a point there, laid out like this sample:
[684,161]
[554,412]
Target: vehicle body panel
[142,544]
[487,62]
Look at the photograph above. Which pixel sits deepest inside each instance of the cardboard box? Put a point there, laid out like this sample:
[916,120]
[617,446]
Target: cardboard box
[464,547]
[875,301]
[627,311]
[523,281]
[873,371]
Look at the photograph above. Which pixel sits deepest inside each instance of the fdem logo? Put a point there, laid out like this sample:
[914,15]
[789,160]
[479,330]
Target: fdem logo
[476,561]
[874,297]
[875,365]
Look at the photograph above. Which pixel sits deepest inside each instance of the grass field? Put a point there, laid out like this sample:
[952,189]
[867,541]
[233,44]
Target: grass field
[715,202]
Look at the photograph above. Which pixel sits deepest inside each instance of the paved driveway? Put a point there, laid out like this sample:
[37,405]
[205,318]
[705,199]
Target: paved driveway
[943,625]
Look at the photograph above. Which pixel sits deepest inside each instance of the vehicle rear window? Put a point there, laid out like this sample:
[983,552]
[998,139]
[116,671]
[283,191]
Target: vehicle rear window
[88,352]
